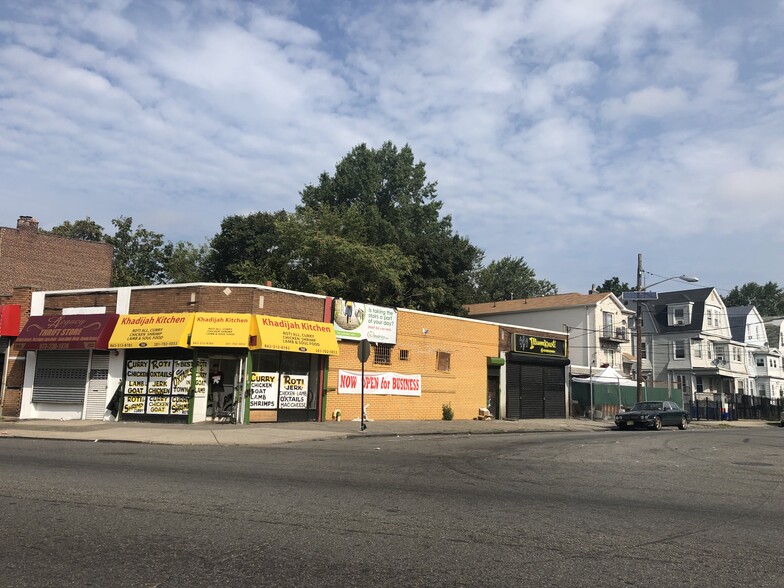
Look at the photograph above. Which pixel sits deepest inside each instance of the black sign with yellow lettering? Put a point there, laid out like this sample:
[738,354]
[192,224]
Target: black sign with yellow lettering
[538,345]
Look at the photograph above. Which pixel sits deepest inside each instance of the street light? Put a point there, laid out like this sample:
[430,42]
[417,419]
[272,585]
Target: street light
[638,320]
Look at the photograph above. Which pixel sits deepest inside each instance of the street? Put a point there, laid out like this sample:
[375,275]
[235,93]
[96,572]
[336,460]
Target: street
[699,508]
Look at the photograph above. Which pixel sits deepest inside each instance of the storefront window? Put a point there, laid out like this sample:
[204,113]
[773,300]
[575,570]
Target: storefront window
[266,361]
[284,382]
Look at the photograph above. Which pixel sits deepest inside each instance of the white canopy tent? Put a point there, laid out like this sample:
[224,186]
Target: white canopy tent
[608,376]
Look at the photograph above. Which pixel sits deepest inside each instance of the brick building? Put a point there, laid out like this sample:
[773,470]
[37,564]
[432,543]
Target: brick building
[279,355]
[446,355]
[31,261]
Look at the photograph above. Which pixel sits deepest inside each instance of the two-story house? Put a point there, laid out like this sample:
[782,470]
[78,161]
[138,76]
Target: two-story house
[687,344]
[597,325]
[747,327]
[768,368]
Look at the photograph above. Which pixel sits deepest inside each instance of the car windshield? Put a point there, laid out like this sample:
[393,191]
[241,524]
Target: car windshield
[647,406]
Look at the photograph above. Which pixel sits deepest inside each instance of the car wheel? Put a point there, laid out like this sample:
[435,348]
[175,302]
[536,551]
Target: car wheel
[683,424]
[657,423]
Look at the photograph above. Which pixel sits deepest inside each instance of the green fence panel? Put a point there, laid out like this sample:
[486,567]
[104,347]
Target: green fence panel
[614,395]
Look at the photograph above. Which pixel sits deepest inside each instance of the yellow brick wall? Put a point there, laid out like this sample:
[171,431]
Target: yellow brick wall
[464,386]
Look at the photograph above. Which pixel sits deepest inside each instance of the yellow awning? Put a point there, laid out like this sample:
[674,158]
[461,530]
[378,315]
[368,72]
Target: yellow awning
[151,330]
[296,335]
[215,329]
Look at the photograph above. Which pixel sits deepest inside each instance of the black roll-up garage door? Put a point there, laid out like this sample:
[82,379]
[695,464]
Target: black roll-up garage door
[531,392]
[513,390]
[554,388]
[535,390]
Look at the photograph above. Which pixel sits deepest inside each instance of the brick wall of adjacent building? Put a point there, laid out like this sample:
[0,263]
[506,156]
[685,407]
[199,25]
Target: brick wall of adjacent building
[227,298]
[56,303]
[30,261]
[464,387]
[11,400]
[48,262]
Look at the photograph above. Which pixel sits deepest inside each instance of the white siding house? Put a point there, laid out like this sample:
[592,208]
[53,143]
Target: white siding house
[597,325]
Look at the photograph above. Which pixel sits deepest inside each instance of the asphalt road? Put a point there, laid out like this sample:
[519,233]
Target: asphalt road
[698,508]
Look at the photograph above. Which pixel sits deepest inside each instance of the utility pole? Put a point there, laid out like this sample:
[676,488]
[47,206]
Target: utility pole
[638,325]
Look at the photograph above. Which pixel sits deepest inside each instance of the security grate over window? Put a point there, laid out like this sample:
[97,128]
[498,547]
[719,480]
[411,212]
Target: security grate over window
[443,360]
[382,355]
[404,355]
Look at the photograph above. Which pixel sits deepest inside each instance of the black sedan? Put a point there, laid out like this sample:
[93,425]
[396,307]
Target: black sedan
[653,415]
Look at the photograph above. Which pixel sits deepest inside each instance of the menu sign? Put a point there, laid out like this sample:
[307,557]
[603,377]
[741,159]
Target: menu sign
[158,404]
[136,371]
[263,390]
[181,377]
[161,386]
[160,378]
[293,392]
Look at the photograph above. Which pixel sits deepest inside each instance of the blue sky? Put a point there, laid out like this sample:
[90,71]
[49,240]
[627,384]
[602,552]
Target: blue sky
[575,134]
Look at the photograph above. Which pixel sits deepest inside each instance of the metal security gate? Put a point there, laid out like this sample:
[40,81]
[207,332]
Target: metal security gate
[97,386]
[60,376]
[535,391]
[554,390]
[531,392]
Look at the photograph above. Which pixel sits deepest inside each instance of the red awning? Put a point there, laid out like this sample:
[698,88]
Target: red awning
[63,332]
[9,320]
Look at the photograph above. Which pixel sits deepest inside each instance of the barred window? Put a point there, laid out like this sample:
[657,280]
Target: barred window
[443,360]
[382,354]
[404,355]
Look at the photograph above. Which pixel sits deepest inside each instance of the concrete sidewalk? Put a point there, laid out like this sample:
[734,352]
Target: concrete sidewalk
[274,433]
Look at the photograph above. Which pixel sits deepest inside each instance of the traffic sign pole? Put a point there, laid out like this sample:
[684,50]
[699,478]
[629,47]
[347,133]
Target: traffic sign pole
[363,352]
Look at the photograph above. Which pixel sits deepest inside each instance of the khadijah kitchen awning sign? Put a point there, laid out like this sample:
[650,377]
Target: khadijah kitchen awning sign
[213,329]
[66,332]
[151,331]
[296,335]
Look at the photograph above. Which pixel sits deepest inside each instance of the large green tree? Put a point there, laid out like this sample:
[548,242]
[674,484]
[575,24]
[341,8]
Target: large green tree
[381,200]
[615,286]
[510,278]
[767,298]
[371,231]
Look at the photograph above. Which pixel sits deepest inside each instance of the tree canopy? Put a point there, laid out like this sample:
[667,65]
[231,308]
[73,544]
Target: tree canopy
[767,298]
[381,200]
[510,278]
[248,250]
[372,230]
[84,230]
[140,256]
[615,286]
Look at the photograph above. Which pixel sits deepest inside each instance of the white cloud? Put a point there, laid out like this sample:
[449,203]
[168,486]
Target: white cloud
[564,131]
[649,102]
